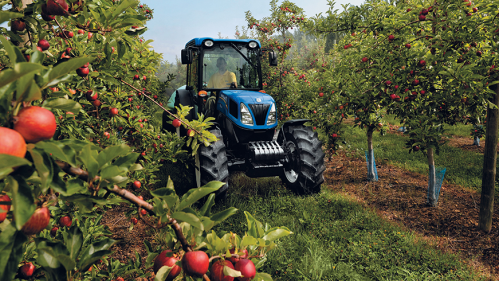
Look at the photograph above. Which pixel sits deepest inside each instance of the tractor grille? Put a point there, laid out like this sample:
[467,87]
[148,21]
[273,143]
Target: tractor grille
[260,112]
[191,43]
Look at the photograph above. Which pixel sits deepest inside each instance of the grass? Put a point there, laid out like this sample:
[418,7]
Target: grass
[462,167]
[335,238]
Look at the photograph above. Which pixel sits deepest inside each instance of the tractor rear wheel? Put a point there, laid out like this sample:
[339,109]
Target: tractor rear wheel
[213,163]
[304,172]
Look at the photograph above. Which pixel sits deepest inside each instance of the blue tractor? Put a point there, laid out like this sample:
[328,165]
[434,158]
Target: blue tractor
[224,81]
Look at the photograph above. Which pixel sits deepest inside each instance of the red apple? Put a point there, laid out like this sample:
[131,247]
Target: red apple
[6,208]
[422,17]
[37,222]
[365,59]
[47,17]
[18,25]
[107,135]
[69,34]
[12,142]
[391,37]
[408,46]
[91,96]
[65,221]
[81,31]
[195,263]
[43,44]
[53,231]
[113,111]
[27,270]
[217,271]
[96,103]
[247,269]
[120,279]
[416,148]
[136,184]
[415,82]
[82,71]
[57,7]
[334,135]
[143,212]
[135,221]
[162,260]
[136,77]
[422,63]
[144,77]
[35,124]
[321,94]
[176,123]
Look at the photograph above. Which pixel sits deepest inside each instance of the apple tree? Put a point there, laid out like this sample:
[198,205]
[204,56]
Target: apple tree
[79,133]
[423,61]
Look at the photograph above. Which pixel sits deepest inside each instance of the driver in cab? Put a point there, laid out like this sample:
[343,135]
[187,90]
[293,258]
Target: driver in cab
[223,78]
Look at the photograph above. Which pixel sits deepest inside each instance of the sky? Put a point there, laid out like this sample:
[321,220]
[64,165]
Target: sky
[177,22]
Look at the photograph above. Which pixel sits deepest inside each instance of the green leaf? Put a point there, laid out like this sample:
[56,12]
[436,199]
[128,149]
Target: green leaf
[67,67]
[110,173]
[5,16]
[87,157]
[9,162]
[53,254]
[123,6]
[162,273]
[11,251]
[124,162]
[43,166]
[62,104]
[94,252]
[188,218]
[19,70]
[195,194]
[9,48]
[247,241]
[227,271]
[277,233]
[23,202]
[73,239]
[58,151]
[27,89]
[206,209]
[111,152]
[255,228]
[223,215]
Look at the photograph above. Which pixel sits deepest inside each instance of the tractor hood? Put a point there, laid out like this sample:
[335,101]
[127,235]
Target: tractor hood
[258,104]
[248,97]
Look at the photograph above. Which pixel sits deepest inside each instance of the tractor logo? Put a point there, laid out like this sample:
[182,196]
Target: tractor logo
[258,100]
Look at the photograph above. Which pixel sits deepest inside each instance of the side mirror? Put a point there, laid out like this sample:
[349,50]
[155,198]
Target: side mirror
[272,58]
[186,56]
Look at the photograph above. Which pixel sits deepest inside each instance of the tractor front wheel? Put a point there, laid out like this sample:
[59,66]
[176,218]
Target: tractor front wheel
[213,163]
[303,173]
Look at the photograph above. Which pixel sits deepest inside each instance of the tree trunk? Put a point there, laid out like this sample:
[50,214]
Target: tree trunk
[371,175]
[489,165]
[431,200]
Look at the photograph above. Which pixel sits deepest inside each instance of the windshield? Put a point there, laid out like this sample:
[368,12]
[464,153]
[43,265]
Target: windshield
[223,65]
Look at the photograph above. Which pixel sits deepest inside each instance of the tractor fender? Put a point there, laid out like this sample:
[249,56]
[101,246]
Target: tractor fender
[295,122]
[186,97]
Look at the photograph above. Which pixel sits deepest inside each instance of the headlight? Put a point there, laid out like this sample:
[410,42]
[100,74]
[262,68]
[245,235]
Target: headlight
[246,118]
[272,115]
[252,44]
[208,43]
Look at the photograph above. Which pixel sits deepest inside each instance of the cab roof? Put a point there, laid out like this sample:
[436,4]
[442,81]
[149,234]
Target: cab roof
[199,41]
